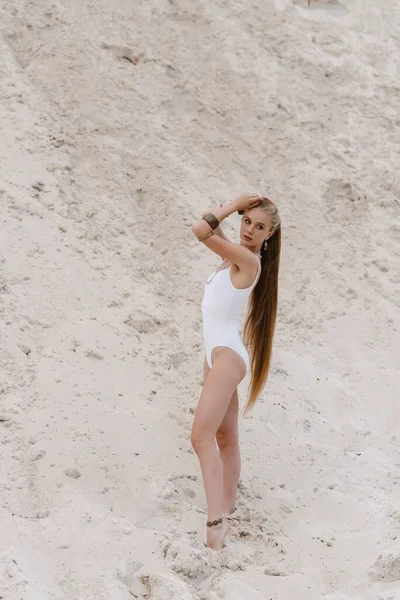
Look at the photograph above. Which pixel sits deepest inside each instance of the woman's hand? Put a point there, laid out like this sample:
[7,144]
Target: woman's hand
[242,203]
[246,201]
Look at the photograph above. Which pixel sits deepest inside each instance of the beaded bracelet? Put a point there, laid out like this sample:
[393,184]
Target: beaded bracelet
[214,523]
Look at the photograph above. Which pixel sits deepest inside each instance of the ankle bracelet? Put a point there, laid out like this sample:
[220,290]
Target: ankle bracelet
[214,523]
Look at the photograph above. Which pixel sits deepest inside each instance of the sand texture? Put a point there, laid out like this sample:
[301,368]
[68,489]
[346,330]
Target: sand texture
[121,121]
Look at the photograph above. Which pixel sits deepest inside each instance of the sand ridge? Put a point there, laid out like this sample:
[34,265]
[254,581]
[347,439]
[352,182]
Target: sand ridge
[121,123]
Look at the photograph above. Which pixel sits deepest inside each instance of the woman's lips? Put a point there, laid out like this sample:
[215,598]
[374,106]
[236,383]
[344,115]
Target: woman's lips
[247,238]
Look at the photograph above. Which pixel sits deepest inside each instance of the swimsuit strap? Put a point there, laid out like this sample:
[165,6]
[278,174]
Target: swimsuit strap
[257,276]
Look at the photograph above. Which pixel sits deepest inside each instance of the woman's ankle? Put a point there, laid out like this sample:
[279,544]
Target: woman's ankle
[211,523]
[228,509]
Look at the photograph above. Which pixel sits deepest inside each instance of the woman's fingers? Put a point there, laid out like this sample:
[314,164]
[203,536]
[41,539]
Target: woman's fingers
[247,201]
[256,202]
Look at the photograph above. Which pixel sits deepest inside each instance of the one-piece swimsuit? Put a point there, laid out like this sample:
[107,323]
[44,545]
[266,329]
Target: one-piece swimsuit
[222,309]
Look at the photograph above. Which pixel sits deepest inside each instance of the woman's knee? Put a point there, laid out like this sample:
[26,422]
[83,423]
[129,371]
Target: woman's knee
[200,437]
[227,438]
[195,439]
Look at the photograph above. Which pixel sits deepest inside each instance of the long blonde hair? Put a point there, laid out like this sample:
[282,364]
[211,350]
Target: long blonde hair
[261,316]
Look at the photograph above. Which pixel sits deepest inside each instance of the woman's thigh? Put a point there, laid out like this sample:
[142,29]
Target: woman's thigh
[220,383]
[229,427]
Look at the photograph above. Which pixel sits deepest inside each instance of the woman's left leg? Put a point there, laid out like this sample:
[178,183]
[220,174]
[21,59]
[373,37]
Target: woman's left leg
[226,373]
[228,444]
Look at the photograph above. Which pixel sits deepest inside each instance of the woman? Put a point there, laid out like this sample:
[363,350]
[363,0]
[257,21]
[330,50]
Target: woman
[249,271]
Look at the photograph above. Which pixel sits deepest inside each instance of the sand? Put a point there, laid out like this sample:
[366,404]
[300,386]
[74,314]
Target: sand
[122,122]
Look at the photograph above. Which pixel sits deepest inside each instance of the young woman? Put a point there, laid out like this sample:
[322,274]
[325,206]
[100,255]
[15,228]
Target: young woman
[249,271]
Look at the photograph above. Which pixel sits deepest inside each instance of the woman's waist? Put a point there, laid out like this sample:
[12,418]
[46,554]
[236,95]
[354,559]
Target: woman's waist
[221,318]
[212,328]
[222,309]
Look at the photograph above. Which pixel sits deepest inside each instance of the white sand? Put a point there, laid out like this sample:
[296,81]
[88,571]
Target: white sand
[105,161]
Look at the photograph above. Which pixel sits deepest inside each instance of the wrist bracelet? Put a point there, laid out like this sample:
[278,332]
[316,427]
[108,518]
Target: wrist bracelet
[203,237]
[211,220]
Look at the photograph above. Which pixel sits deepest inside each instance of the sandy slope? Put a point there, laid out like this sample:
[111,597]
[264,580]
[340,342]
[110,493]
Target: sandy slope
[121,121]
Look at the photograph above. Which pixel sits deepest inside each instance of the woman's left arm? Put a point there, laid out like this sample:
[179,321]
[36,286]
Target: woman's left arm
[220,212]
[205,228]
[218,231]
[242,202]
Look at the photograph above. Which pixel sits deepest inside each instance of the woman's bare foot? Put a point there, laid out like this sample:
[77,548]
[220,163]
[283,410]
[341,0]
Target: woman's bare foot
[216,535]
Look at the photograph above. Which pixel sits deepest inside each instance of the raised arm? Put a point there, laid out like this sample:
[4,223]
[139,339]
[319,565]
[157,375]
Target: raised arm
[205,232]
[218,231]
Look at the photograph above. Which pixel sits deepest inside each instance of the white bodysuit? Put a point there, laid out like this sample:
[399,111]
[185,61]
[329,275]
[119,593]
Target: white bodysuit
[222,308]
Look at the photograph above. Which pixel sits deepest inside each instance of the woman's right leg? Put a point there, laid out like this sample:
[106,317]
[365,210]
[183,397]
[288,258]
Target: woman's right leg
[227,372]
[228,444]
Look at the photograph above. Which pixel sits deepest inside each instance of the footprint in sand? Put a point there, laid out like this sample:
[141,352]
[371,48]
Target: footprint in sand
[344,201]
[184,558]
[164,586]
[131,577]
[176,494]
[387,566]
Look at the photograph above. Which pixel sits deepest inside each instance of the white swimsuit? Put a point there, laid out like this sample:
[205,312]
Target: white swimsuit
[222,309]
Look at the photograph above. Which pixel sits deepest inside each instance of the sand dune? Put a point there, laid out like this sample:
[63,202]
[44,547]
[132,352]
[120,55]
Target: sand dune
[121,123]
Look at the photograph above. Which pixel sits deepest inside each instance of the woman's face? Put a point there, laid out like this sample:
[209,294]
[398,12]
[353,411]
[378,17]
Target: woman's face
[256,227]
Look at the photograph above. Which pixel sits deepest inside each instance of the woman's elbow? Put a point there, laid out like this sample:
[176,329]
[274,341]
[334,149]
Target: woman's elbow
[196,229]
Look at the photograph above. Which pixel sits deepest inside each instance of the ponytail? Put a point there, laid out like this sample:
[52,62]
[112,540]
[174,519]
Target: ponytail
[260,322]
